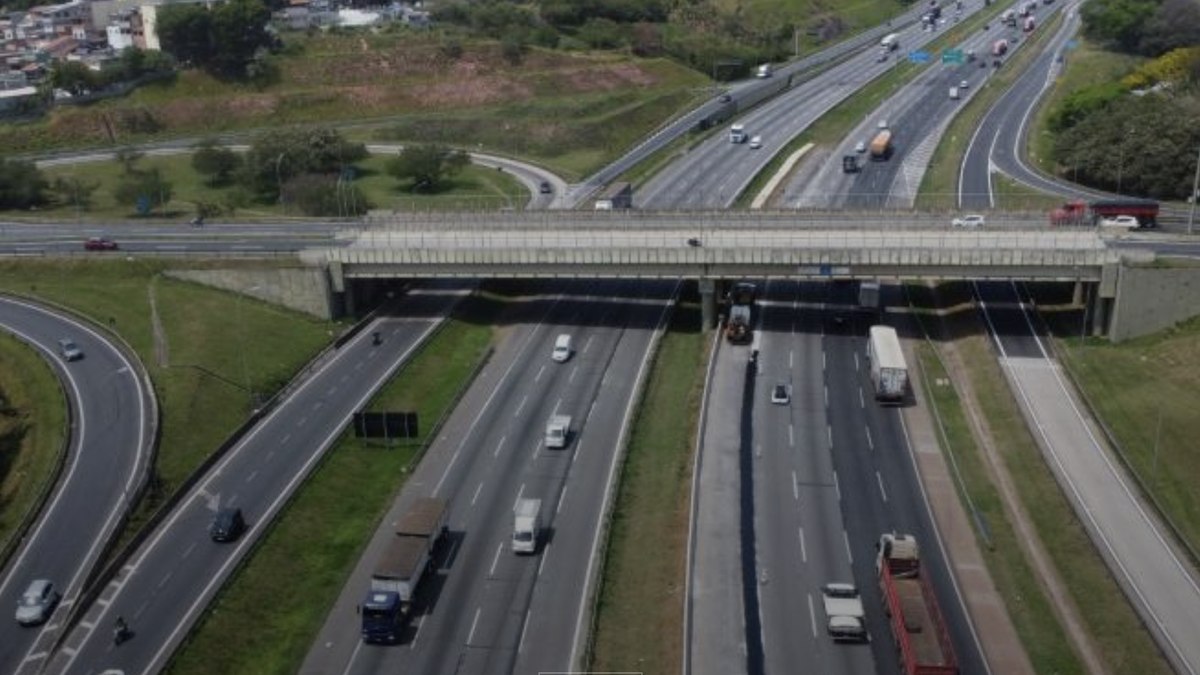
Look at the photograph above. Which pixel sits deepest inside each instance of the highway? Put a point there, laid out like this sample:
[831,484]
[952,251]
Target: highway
[164,586]
[715,172]
[113,415]
[1159,580]
[917,115]
[487,610]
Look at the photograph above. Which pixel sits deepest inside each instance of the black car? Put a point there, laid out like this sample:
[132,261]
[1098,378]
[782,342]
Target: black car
[227,525]
[545,188]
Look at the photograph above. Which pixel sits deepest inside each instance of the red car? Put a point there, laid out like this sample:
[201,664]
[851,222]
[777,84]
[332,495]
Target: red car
[100,244]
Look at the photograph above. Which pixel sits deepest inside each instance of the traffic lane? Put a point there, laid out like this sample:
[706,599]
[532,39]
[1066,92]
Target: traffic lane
[908,512]
[106,457]
[338,647]
[196,244]
[163,590]
[556,621]
[800,536]
[1012,332]
[488,587]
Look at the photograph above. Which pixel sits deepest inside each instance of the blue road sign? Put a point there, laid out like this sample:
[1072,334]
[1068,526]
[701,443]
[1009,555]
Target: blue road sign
[918,57]
[143,205]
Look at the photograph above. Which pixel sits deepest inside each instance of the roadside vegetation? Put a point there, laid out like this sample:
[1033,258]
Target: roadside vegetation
[1131,132]
[639,615]
[1146,392]
[266,617]
[33,429]
[219,347]
[1115,629]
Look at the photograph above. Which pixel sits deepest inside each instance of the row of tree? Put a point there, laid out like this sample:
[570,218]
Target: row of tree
[228,39]
[313,169]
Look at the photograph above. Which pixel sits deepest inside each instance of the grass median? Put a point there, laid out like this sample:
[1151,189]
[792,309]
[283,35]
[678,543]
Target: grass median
[33,427]
[265,618]
[640,612]
[1116,630]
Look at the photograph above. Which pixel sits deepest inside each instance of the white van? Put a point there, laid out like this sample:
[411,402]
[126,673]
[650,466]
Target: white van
[954,93]
[562,348]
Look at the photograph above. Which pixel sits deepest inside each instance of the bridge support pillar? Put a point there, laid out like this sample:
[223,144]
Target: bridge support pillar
[1077,295]
[708,302]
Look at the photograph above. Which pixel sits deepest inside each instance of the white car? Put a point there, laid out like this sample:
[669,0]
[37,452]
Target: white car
[973,220]
[781,394]
[1121,223]
[37,603]
[756,143]
[963,84]
[882,124]
[860,147]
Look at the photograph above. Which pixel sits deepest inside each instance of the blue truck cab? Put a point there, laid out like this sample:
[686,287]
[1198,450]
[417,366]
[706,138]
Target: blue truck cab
[382,617]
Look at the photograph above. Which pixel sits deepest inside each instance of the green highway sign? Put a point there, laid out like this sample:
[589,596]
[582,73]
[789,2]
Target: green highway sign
[952,56]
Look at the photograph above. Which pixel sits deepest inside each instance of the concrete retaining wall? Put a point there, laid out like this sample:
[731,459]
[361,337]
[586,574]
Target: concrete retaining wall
[1150,299]
[304,289]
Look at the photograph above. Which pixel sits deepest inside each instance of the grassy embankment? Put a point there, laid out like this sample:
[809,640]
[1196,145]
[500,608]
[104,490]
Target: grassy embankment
[216,344]
[572,111]
[33,429]
[1114,627]
[939,188]
[266,617]
[1147,391]
[476,188]
[640,608]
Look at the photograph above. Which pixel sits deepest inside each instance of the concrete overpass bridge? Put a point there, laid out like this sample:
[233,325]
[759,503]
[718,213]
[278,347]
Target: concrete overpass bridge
[722,246]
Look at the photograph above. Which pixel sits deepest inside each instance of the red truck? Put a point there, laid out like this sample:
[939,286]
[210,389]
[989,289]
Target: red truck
[1080,213]
[912,609]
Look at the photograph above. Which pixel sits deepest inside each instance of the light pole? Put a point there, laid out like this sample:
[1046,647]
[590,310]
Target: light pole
[1195,193]
[278,178]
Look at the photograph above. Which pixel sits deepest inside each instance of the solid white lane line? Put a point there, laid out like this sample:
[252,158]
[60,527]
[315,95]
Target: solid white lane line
[545,555]
[562,497]
[524,627]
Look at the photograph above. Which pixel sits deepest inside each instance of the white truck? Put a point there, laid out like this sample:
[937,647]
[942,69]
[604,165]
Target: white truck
[890,42]
[844,608]
[558,431]
[527,525]
[737,134]
[889,372]
[763,72]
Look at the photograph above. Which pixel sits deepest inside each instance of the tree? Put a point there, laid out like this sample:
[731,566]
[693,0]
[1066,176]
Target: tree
[427,166]
[185,32]
[216,162]
[144,190]
[325,195]
[1117,22]
[277,156]
[22,184]
[239,27]
[1175,24]
[75,191]
[74,77]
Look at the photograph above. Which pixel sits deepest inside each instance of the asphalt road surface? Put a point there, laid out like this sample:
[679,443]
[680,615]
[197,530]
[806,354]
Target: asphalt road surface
[486,610]
[112,416]
[165,585]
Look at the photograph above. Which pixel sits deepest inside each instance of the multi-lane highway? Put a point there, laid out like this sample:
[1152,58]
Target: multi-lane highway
[715,173]
[488,610]
[166,583]
[113,415]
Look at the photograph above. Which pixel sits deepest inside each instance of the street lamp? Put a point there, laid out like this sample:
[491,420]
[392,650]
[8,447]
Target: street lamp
[278,178]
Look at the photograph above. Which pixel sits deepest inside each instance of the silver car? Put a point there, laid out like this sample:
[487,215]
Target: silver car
[69,350]
[37,603]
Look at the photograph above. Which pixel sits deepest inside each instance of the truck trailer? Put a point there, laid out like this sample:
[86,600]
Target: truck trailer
[527,525]
[558,431]
[912,609]
[1082,213]
[881,146]
[399,571]
[889,372]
